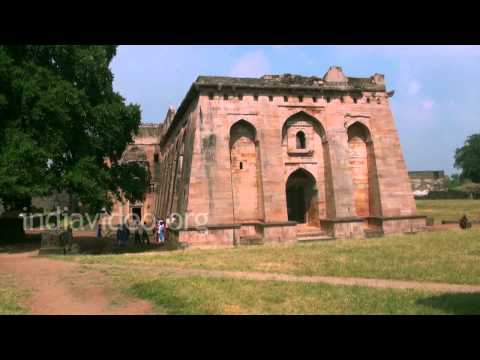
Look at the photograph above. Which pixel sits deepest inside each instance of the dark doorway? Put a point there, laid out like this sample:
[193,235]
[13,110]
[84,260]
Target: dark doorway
[302,204]
[138,212]
[296,204]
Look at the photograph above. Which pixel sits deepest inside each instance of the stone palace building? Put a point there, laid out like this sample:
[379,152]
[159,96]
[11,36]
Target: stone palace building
[277,159]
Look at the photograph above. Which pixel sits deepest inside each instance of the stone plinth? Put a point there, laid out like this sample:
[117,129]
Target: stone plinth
[56,242]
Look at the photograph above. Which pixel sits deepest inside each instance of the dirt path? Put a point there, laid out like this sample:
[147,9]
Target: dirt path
[63,288]
[332,280]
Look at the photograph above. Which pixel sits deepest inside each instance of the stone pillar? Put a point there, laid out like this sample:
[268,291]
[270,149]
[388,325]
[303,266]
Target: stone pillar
[340,177]
[341,219]
[272,170]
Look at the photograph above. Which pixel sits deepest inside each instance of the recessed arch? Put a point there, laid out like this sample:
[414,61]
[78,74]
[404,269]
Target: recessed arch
[245,169]
[302,197]
[134,154]
[303,116]
[242,128]
[362,165]
[359,129]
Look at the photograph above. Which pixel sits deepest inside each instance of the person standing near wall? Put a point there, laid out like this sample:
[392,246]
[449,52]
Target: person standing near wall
[137,233]
[161,232]
[99,231]
[155,231]
[144,233]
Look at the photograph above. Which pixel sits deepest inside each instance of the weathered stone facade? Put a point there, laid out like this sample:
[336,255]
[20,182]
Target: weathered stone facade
[144,150]
[277,157]
[425,181]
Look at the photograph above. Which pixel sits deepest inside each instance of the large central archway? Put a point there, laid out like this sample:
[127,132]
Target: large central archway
[302,198]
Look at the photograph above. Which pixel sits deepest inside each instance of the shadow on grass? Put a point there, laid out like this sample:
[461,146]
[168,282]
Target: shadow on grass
[455,304]
[107,246]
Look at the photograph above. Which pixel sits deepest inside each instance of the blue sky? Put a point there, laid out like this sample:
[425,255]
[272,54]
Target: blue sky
[437,88]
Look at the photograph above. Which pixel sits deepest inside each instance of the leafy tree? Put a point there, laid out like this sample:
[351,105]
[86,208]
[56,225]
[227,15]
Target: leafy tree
[453,181]
[467,158]
[62,127]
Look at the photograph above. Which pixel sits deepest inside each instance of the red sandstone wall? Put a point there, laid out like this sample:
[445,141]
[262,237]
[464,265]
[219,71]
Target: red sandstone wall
[211,167]
[175,167]
[198,176]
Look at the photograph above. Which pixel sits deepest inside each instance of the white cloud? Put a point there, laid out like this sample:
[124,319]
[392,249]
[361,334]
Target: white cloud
[427,104]
[253,64]
[413,87]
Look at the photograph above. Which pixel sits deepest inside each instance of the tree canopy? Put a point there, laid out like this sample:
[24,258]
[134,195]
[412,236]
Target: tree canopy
[467,159]
[63,127]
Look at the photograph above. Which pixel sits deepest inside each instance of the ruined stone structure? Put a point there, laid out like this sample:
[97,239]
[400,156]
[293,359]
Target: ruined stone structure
[425,181]
[282,158]
[144,150]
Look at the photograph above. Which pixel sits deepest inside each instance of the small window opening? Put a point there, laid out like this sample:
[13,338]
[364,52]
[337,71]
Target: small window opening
[300,98]
[328,99]
[241,165]
[354,100]
[255,97]
[210,96]
[300,140]
[285,98]
[155,158]
[270,98]
[368,100]
[314,99]
[225,97]
[240,97]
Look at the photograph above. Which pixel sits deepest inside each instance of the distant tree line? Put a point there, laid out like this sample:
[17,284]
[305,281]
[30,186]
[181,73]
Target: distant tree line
[467,160]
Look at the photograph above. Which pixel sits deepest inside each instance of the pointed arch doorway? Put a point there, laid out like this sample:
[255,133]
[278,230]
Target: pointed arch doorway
[302,198]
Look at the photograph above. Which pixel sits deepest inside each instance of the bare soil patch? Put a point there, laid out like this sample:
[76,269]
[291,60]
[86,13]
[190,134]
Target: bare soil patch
[63,288]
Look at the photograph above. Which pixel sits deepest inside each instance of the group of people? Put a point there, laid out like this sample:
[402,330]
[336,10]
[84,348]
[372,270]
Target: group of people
[140,233]
[123,234]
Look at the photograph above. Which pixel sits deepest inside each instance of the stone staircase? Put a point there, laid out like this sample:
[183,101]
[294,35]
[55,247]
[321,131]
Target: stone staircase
[310,234]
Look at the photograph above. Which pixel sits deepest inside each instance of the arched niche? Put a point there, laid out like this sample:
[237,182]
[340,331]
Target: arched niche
[306,123]
[362,165]
[245,170]
[301,141]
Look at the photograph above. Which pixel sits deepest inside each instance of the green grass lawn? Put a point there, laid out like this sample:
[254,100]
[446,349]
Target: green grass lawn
[189,295]
[450,256]
[10,298]
[196,295]
[449,209]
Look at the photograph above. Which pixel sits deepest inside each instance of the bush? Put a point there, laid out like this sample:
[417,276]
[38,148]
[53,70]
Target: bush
[11,230]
